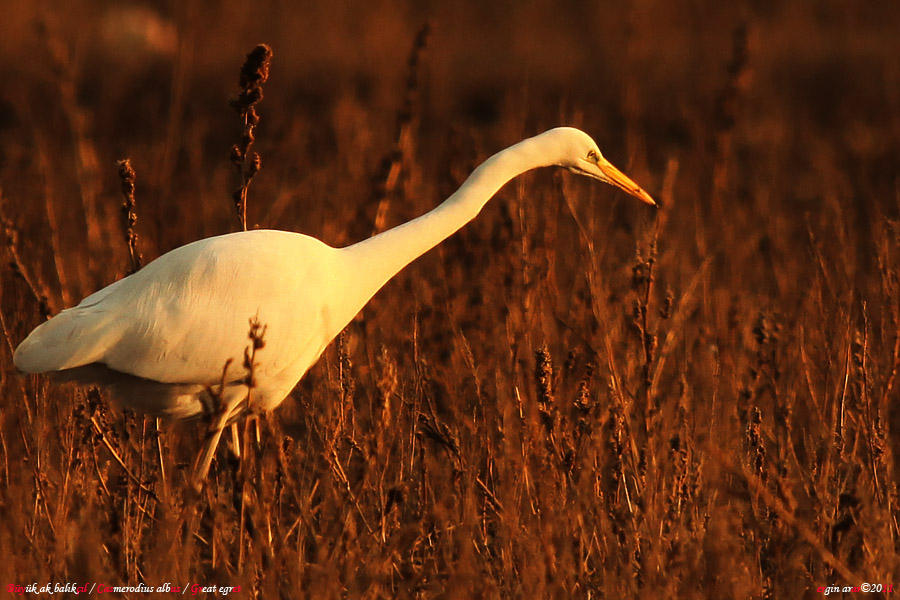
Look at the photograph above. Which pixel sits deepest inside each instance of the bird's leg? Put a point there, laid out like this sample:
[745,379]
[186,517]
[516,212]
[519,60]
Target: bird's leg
[204,459]
[222,417]
[221,411]
[159,448]
[235,440]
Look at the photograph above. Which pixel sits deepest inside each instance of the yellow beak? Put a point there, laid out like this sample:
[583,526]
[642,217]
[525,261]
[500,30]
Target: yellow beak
[614,176]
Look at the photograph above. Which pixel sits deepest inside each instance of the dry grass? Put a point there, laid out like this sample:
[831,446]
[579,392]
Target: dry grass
[572,397]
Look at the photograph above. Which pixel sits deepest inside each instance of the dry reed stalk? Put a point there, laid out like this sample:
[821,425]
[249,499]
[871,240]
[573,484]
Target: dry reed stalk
[642,279]
[257,335]
[127,176]
[586,410]
[105,438]
[388,179]
[254,73]
[242,467]
[11,244]
[874,432]
[681,494]
[387,384]
[346,426]
[64,278]
[543,375]
[87,165]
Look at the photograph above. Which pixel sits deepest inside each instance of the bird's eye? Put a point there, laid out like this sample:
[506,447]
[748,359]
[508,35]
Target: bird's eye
[592,156]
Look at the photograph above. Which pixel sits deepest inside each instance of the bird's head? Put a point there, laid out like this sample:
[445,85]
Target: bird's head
[577,152]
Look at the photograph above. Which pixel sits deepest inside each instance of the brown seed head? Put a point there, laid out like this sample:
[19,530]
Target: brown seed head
[256,68]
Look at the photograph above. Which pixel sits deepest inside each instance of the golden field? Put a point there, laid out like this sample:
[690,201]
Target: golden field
[576,396]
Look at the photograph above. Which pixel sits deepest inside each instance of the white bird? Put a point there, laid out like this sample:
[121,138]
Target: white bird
[160,338]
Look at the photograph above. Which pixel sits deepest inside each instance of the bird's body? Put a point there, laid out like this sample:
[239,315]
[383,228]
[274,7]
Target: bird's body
[178,321]
[160,338]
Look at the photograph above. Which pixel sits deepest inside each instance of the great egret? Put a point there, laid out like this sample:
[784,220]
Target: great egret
[160,338]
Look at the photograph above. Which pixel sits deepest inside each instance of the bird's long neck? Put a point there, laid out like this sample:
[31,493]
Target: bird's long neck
[372,262]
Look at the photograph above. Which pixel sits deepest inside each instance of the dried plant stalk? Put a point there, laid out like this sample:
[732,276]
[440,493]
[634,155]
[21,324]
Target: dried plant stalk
[127,176]
[254,73]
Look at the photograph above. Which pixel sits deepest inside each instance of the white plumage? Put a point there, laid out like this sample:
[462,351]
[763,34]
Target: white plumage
[158,339]
[178,320]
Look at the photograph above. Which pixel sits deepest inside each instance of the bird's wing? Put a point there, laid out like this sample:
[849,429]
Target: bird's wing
[74,337]
[183,316]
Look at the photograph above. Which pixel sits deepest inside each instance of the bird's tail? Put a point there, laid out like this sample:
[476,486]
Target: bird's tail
[73,338]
